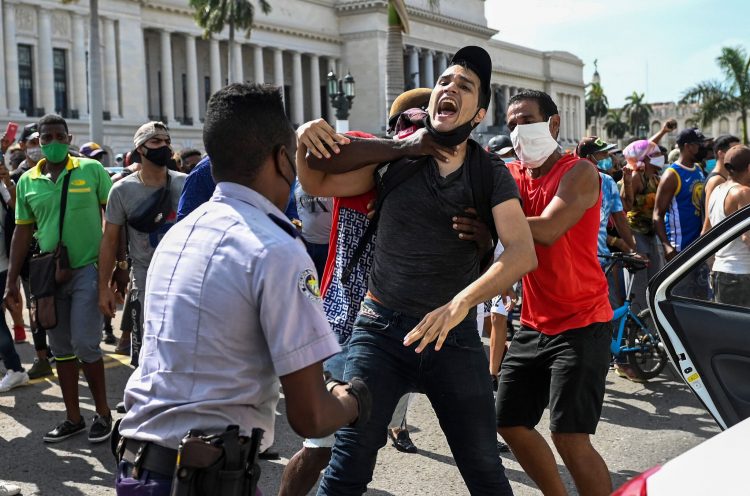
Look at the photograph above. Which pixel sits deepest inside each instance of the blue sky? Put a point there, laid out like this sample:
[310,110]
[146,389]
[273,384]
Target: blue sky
[660,47]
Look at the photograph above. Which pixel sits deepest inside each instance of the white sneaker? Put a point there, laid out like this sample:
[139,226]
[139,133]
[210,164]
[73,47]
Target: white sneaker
[12,380]
[8,489]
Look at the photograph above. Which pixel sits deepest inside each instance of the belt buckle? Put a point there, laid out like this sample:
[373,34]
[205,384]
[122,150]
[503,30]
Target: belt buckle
[138,459]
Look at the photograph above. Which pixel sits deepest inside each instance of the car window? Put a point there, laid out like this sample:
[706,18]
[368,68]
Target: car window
[724,278]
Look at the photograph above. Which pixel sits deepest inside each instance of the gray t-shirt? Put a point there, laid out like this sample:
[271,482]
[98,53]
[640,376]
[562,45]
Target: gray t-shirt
[316,215]
[420,263]
[125,197]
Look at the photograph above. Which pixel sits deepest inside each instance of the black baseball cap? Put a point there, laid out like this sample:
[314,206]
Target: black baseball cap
[690,135]
[28,130]
[500,144]
[591,145]
[478,60]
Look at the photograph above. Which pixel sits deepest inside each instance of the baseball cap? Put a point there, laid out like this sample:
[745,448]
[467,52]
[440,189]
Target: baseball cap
[591,145]
[500,144]
[28,130]
[478,60]
[119,158]
[91,150]
[416,98]
[690,135]
[148,131]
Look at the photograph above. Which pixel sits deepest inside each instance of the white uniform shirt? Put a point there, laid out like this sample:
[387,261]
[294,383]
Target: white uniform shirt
[6,200]
[231,303]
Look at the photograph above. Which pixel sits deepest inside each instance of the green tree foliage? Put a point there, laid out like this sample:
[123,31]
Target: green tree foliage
[719,98]
[638,112]
[616,126]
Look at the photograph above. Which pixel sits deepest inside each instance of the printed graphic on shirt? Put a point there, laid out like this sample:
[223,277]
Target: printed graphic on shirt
[308,284]
[342,300]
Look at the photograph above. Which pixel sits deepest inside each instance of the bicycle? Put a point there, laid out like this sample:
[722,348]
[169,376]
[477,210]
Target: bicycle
[635,338]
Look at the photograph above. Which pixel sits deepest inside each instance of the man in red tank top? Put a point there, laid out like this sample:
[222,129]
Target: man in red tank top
[560,356]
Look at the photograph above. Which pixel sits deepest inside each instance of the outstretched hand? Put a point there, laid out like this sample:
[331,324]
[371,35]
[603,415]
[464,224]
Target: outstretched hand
[319,138]
[436,325]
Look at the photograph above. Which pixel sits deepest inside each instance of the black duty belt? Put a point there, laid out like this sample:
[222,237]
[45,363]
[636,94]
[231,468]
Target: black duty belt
[145,455]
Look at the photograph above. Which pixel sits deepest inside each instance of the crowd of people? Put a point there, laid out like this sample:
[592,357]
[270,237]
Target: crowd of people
[356,271]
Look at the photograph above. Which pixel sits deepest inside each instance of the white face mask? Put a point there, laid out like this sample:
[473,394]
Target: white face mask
[34,154]
[657,161]
[533,143]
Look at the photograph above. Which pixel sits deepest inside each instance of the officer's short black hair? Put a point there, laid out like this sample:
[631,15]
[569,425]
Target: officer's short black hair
[546,104]
[245,123]
[51,119]
[190,152]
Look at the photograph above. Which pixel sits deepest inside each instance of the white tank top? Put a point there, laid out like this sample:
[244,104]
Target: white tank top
[733,258]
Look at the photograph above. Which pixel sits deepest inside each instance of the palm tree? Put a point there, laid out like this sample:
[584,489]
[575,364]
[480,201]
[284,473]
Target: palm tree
[718,98]
[638,112]
[96,107]
[597,105]
[398,24]
[615,126]
[214,15]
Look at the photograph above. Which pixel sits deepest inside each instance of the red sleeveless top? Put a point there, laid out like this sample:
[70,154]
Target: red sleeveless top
[568,289]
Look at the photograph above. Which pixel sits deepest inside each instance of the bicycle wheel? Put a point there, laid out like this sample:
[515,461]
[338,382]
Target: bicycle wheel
[651,358]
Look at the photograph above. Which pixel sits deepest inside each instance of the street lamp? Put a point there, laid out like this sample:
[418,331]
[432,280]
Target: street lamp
[341,93]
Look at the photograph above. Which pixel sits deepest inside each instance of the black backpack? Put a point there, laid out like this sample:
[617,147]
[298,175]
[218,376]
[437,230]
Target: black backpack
[388,176]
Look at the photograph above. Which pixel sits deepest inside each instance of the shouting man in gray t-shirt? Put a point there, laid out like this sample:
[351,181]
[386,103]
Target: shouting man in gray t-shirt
[146,202]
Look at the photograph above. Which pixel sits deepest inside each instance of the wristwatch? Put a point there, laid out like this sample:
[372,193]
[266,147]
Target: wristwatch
[122,264]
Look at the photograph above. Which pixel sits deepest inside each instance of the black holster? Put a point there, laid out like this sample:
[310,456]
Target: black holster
[222,465]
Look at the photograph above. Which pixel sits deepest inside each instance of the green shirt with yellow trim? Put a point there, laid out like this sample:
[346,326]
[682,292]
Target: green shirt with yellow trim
[38,201]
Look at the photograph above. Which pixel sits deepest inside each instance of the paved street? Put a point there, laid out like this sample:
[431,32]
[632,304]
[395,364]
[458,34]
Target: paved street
[642,425]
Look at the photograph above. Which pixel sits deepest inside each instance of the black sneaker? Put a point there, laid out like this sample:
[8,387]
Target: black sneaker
[109,338]
[502,447]
[64,430]
[101,428]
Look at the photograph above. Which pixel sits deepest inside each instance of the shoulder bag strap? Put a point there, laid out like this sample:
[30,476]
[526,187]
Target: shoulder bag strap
[64,201]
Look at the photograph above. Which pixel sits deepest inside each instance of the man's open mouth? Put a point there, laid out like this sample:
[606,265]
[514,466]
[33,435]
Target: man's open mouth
[447,108]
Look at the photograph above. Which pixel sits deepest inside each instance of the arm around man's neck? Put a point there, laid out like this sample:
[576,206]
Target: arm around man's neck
[360,153]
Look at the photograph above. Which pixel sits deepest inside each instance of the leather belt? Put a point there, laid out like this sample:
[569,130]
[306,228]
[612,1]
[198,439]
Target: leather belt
[145,455]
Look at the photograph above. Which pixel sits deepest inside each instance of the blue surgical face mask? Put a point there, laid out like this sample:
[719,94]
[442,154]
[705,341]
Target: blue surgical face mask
[710,164]
[605,164]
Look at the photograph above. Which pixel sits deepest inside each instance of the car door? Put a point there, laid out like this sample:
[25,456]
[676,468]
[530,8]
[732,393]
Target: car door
[708,339]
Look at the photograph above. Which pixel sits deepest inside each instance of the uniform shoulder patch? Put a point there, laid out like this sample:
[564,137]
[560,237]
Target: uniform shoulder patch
[308,284]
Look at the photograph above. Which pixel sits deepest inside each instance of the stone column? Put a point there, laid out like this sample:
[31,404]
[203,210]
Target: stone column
[46,68]
[215,61]
[331,67]
[167,83]
[506,98]
[3,99]
[258,64]
[315,86]
[80,91]
[568,118]
[298,113]
[193,110]
[11,58]
[413,76]
[278,69]
[489,118]
[442,63]
[110,68]
[238,75]
[428,69]
[134,88]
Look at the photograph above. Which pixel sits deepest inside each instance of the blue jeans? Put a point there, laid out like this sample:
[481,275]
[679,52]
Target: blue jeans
[7,348]
[455,381]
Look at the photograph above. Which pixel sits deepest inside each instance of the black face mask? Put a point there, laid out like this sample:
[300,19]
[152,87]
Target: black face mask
[159,156]
[453,137]
[294,169]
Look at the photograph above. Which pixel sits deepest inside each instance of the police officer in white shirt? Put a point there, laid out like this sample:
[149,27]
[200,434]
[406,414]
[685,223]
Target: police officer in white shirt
[232,303]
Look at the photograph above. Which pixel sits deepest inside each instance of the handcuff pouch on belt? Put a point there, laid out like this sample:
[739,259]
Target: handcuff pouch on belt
[222,464]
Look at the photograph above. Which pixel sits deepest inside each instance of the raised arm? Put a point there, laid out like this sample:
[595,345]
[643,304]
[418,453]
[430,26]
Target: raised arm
[578,191]
[668,126]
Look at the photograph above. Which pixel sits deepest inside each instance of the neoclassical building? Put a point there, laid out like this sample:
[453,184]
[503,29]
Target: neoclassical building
[157,65]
